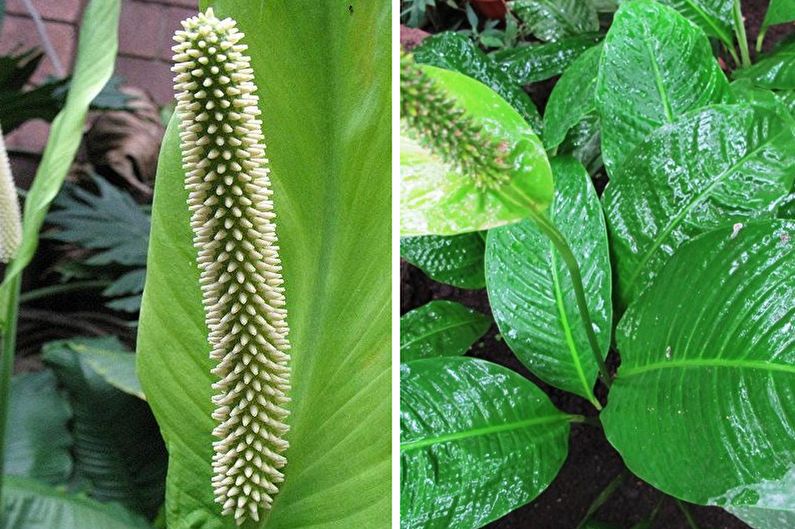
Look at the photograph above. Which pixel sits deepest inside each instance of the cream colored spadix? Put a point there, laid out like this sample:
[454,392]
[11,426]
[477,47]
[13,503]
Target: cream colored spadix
[235,236]
[10,220]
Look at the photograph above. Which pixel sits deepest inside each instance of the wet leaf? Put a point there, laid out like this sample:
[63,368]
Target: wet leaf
[440,328]
[455,260]
[538,62]
[779,12]
[572,98]
[724,165]
[454,51]
[438,198]
[775,70]
[656,65]
[713,16]
[476,441]
[713,337]
[551,20]
[530,289]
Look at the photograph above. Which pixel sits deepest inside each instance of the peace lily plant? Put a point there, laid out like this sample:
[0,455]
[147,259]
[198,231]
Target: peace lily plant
[682,268]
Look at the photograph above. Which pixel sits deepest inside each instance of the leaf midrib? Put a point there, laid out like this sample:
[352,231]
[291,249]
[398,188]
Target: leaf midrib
[480,432]
[727,39]
[658,80]
[706,363]
[686,210]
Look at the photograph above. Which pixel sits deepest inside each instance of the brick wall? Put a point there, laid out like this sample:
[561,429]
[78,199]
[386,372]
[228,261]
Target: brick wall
[145,33]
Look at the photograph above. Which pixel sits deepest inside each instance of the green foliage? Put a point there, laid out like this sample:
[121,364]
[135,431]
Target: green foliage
[326,121]
[117,450]
[538,62]
[471,430]
[778,12]
[712,336]
[32,505]
[532,295]
[440,328]
[655,66]
[455,260]
[18,105]
[38,445]
[775,71]
[713,16]
[111,361]
[553,20]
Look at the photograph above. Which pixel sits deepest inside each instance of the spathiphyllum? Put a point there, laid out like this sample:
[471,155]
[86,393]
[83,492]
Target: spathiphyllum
[238,255]
[10,220]
[435,119]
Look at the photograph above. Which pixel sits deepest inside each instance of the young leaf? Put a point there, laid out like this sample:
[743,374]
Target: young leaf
[539,62]
[470,431]
[775,71]
[713,16]
[656,65]
[455,260]
[328,140]
[29,504]
[552,20]
[115,364]
[117,446]
[572,98]
[707,364]
[468,161]
[530,289]
[665,195]
[440,328]
[38,444]
[454,51]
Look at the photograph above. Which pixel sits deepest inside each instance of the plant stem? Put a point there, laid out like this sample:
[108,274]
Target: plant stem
[563,248]
[742,38]
[9,342]
[689,517]
[603,496]
[43,292]
[760,39]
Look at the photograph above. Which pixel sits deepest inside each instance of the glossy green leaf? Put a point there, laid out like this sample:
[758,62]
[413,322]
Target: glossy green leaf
[656,65]
[538,62]
[701,407]
[29,504]
[779,12]
[530,290]
[454,51]
[38,443]
[551,20]
[117,447]
[476,441]
[437,198]
[584,143]
[323,75]
[96,54]
[115,364]
[455,260]
[744,90]
[572,98]
[775,70]
[713,16]
[440,328]
[720,166]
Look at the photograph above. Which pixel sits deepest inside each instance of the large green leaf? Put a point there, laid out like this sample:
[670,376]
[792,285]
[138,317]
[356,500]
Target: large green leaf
[723,165]
[324,80]
[115,364]
[551,20]
[454,51]
[476,441]
[117,446]
[538,62]
[775,70]
[702,405]
[440,328]
[29,504]
[96,55]
[440,199]
[744,90]
[572,98]
[583,143]
[713,16]
[530,290]
[38,442]
[779,12]
[656,65]
[455,260]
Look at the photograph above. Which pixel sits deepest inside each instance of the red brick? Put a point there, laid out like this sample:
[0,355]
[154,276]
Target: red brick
[61,10]
[174,15]
[141,28]
[193,4]
[19,33]
[30,137]
[152,76]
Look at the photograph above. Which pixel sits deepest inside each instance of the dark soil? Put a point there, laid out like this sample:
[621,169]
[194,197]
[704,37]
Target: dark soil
[592,462]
